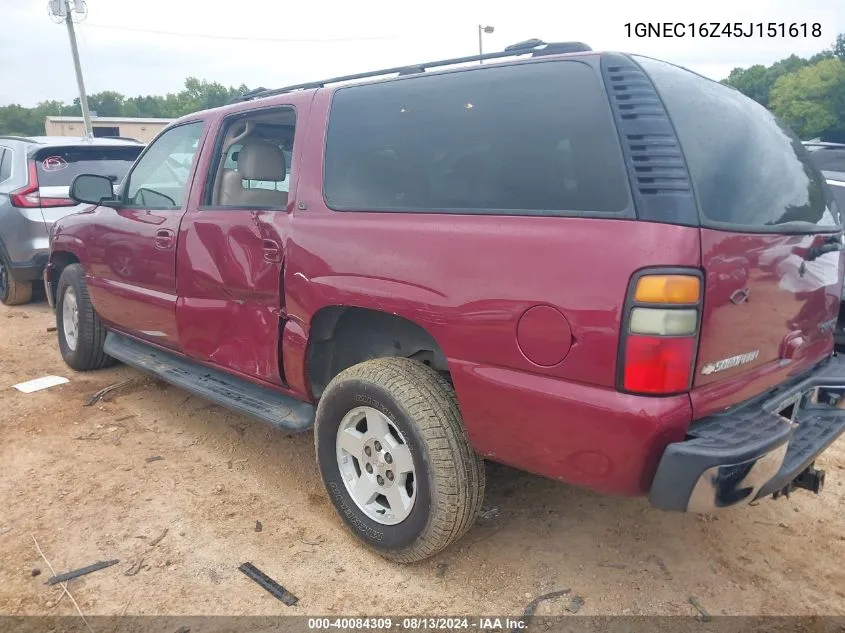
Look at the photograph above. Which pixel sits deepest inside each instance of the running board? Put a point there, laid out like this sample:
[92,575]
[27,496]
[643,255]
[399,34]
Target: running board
[235,393]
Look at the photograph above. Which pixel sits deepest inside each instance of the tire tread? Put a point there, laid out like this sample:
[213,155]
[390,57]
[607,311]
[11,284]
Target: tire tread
[92,333]
[457,471]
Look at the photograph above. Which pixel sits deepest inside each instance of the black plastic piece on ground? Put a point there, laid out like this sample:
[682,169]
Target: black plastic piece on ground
[70,575]
[224,389]
[531,607]
[274,588]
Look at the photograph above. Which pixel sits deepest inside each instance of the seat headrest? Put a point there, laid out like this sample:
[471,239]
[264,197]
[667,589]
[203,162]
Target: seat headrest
[259,160]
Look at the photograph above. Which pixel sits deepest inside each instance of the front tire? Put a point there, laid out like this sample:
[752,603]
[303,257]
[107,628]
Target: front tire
[395,460]
[12,291]
[81,334]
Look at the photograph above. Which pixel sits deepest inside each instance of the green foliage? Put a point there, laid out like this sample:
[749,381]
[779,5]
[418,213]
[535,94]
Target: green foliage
[811,100]
[808,94]
[197,95]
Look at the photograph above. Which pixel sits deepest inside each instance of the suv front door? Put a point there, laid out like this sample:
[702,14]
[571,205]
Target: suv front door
[133,257]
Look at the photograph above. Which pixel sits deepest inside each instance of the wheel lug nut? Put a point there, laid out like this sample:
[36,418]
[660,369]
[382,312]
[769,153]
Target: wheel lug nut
[380,480]
[369,468]
[389,474]
[377,445]
[368,451]
[388,458]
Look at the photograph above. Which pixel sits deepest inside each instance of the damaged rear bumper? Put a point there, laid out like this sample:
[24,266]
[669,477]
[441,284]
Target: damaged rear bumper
[756,449]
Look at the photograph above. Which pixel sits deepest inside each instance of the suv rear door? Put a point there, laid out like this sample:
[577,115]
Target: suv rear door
[771,291]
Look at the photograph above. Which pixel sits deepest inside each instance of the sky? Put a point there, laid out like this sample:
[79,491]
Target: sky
[151,46]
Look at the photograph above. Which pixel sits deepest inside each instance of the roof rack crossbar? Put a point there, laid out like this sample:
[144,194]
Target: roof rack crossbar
[515,50]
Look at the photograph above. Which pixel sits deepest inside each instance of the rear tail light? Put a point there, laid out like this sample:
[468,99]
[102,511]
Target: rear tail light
[27,197]
[660,333]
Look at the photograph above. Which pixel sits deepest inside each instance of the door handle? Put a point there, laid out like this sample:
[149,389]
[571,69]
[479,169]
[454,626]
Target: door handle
[164,239]
[272,251]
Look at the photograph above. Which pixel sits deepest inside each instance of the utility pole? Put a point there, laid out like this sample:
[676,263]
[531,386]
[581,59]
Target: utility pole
[481,31]
[57,7]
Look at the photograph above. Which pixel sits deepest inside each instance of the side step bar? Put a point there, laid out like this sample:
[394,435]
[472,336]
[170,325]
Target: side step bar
[279,410]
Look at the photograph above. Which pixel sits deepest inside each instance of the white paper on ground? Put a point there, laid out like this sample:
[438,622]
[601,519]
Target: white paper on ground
[40,383]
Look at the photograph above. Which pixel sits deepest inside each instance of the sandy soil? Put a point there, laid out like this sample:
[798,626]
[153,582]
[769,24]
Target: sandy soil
[82,481]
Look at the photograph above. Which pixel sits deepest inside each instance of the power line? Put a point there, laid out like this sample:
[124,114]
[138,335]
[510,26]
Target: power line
[240,38]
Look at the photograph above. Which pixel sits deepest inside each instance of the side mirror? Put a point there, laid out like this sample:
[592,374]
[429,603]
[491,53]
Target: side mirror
[91,189]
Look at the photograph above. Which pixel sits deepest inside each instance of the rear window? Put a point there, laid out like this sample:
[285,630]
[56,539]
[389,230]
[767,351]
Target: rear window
[58,166]
[749,170]
[528,139]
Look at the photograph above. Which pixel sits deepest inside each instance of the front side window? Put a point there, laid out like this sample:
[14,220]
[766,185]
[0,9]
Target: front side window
[255,172]
[160,178]
[529,139]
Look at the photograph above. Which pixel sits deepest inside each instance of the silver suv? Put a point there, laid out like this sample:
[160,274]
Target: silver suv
[35,174]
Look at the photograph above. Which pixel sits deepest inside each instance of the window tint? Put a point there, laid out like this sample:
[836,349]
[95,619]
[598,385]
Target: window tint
[748,168]
[532,139]
[58,166]
[160,178]
[5,164]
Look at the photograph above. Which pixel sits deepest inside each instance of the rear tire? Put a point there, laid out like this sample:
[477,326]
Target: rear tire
[407,416]
[12,291]
[81,334]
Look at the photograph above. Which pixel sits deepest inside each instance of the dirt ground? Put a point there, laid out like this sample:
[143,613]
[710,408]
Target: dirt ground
[83,482]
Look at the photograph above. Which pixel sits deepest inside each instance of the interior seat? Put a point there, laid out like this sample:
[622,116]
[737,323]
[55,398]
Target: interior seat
[257,160]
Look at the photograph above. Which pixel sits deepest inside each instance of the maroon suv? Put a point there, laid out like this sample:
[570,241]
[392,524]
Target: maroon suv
[597,267]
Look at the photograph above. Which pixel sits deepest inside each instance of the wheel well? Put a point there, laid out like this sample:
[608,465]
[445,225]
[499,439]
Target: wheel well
[341,337]
[59,261]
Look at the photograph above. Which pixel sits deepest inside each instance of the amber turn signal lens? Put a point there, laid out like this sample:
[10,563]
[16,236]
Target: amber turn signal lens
[668,289]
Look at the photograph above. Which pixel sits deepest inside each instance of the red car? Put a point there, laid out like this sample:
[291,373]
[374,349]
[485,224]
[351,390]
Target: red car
[597,267]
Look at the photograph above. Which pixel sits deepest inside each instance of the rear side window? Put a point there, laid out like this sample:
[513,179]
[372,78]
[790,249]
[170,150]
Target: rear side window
[529,139]
[58,166]
[749,170]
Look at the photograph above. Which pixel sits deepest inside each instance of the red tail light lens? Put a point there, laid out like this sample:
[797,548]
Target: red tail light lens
[27,197]
[658,365]
[660,333]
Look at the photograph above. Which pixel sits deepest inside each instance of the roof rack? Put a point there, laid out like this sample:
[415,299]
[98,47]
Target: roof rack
[535,47]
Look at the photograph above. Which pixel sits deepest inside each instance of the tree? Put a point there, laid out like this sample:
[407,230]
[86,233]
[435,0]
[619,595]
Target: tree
[839,46]
[106,103]
[197,95]
[757,81]
[812,100]
[751,82]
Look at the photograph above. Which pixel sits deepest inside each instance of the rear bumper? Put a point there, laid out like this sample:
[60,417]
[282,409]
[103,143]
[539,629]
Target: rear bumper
[30,270]
[755,449]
